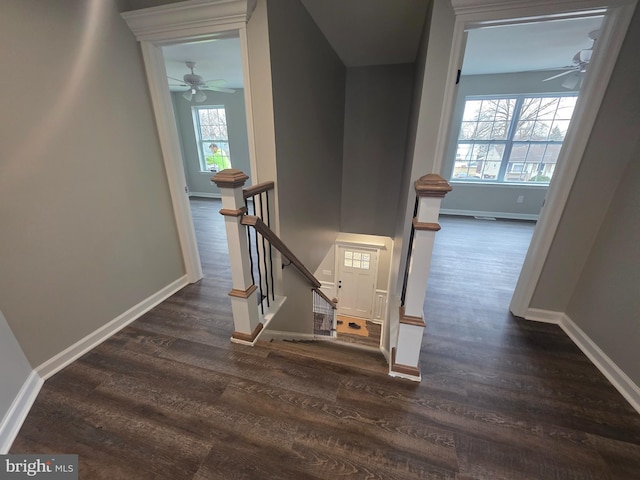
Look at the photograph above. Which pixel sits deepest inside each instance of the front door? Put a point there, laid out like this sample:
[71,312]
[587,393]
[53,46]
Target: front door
[357,271]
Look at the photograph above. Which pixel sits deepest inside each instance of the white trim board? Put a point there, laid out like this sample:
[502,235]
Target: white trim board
[620,380]
[481,213]
[204,195]
[75,351]
[474,14]
[19,410]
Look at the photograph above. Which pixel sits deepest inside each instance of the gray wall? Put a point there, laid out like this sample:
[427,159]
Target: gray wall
[87,223]
[197,181]
[500,199]
[606,301]
[376,118]
[610,148]
[308,82]
[14,368]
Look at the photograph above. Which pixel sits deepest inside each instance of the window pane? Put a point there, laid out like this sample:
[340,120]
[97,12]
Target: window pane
[356,264]
[548,107]
[366,257]
[489,127]
[365,265]
[348,254]
[559,130]
[348,262]
[213,141]
[472,110]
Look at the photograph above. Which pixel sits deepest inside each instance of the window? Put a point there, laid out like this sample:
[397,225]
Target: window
[513,139]
[213,140]
[357,260]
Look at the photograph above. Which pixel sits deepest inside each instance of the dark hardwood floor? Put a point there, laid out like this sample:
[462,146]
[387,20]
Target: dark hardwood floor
[169,397]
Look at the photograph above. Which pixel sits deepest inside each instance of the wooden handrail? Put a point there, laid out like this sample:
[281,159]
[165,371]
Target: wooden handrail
[257,189]
[266,232]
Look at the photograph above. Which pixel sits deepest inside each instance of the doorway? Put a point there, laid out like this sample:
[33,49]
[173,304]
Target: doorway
[357,273]
[183,23]
[601,63]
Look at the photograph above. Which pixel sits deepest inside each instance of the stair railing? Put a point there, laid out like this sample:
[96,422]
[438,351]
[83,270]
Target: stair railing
[253,256]
[430,190]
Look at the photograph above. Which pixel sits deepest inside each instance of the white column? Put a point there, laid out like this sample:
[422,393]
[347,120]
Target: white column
[430,190]
[244,302]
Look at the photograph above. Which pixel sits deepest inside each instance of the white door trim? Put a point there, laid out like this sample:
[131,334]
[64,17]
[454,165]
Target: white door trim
[180,23]
[375,251]
[470,13]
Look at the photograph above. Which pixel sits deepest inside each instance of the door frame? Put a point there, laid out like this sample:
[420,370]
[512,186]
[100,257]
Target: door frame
[470,14]
[196,20]
[338,265]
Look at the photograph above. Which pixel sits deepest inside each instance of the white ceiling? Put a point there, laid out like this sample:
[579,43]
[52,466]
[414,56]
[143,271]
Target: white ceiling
[380,32]
[527,47]
[216,59]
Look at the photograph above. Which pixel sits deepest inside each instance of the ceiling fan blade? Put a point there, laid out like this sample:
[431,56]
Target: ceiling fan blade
[221,89]
[218,82]
[560,75]
[176,79]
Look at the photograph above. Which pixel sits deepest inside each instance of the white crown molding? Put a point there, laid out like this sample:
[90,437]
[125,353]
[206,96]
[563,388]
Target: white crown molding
[188,19]
[475,7]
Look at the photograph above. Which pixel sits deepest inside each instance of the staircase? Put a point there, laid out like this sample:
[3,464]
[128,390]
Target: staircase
[257,256]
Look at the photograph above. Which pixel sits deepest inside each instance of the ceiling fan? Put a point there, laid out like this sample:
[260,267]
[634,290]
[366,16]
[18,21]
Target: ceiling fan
[196,85]
[580,62]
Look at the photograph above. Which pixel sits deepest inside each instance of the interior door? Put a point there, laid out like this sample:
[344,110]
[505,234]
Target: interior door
[357,271]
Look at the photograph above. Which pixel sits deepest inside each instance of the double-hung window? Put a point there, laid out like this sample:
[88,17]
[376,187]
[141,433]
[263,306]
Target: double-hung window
[212,137]
[513,139]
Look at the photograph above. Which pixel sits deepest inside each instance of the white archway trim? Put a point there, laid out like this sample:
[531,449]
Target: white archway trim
[188,19]
[474,13]
[176,23]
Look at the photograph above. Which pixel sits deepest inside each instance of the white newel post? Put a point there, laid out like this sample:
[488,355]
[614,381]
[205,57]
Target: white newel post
[405,357]
[244,301]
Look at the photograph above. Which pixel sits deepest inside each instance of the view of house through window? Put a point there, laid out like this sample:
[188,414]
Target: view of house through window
[213,140]
[513,139]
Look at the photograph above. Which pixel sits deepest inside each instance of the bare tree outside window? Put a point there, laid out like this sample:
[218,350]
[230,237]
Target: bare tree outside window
[512,139]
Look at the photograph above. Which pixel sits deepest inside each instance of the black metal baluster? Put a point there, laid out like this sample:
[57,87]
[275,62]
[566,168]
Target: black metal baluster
[273,293]
[253,280]
[264,251]
[406,267]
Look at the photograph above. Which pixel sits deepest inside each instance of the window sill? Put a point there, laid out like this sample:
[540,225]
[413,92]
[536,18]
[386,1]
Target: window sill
[498,184]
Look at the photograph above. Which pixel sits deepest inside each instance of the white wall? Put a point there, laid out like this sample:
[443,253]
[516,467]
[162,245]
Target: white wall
[87,224]
[606,301]
[611,146]
[14,372]
[197,181]
[378,101]
[308,82]
[429,85]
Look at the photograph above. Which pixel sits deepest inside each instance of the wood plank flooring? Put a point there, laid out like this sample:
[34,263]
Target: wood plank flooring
[169,397]
[368,335]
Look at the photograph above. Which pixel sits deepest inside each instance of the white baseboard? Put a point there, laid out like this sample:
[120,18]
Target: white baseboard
[387,355]
[620,380]
[75,351]
[204,195]
[481,213]
[19,410]
[545,316]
